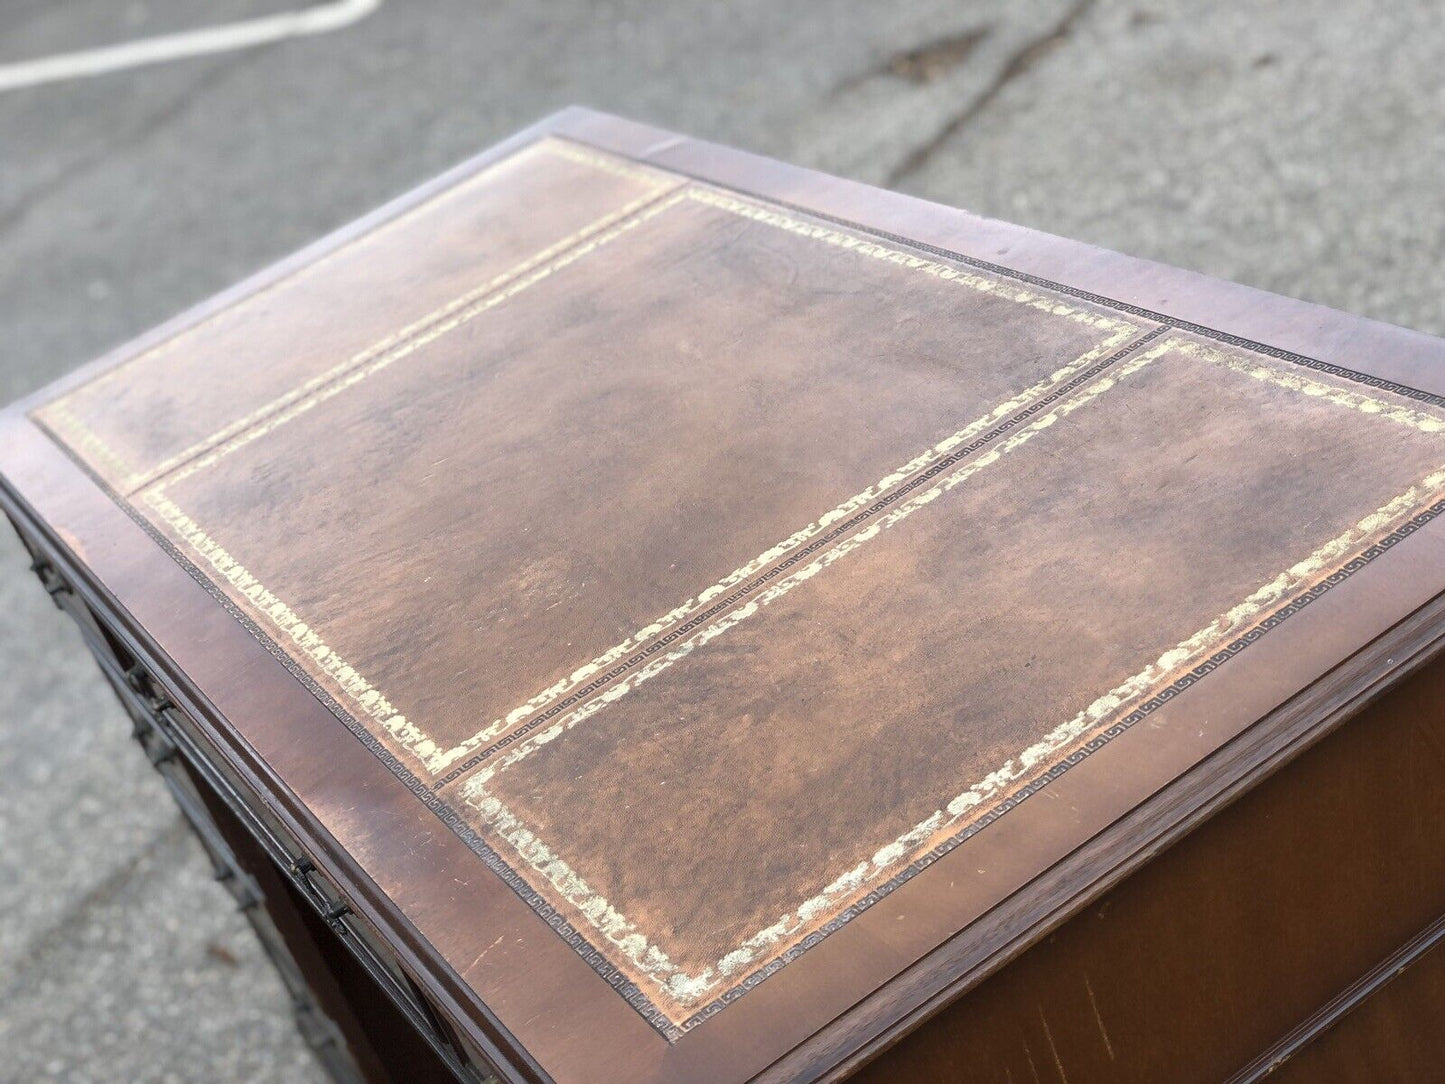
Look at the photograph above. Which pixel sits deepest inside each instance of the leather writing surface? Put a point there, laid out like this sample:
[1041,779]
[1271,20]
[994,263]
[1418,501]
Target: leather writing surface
[999,619]
[366,301]
[718,566]
[609,445]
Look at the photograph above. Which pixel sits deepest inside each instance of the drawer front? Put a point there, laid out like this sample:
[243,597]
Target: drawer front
[247,844]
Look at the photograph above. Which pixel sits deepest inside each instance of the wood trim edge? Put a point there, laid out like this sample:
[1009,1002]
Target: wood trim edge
[1342,1004]
[360,892]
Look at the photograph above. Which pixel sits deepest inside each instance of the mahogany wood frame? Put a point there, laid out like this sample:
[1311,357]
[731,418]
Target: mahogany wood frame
[537,1013]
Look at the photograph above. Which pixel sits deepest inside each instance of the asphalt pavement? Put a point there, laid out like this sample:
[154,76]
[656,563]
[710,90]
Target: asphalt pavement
[1296,146]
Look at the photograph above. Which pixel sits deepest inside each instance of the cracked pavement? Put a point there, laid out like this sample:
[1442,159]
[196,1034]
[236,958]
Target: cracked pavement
[1296,146]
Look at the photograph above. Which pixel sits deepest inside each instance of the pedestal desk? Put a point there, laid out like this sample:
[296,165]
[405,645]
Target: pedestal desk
[634,611]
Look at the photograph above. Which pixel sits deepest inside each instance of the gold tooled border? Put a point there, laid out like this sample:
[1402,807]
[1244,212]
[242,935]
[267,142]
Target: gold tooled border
[128,478]
[371,702]
[687,990]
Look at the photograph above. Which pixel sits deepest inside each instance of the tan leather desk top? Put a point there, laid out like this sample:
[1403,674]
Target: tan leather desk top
[710,568]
